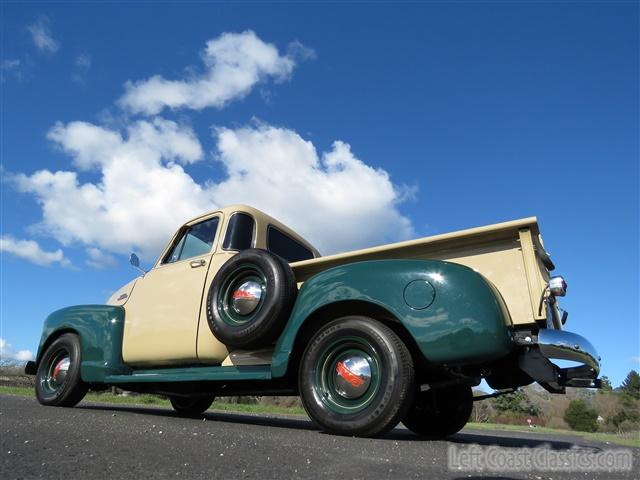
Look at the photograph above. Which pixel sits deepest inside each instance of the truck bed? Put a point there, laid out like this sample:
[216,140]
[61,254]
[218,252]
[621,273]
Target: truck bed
[510,255]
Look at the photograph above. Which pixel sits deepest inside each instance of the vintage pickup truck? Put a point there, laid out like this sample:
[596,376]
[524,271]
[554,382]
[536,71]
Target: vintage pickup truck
[239,304]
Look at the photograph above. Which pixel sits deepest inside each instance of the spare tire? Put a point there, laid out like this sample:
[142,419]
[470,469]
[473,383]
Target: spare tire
[250,299]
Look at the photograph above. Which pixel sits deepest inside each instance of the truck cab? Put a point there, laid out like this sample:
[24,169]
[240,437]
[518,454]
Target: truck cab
[166,317]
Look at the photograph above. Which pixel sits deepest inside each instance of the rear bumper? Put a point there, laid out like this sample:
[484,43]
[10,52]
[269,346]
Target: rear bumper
[539,351]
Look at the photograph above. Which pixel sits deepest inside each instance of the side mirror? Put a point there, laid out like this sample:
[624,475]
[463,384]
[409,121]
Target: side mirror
[135,261]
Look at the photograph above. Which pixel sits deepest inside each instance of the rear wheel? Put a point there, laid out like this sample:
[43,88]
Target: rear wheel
[58,381]
[191,405]
[356,377]
[439,413]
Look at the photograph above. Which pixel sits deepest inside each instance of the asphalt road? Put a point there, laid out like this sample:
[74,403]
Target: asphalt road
[116,441]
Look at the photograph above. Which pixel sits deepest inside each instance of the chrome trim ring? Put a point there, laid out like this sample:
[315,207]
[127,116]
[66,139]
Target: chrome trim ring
[246,297]
[58,373]
[352,376]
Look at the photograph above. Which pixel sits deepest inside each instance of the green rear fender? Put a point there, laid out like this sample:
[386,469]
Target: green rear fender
[450,310]
[100,328]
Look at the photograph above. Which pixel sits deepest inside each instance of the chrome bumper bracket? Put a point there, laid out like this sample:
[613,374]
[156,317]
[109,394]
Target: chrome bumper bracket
[549,344]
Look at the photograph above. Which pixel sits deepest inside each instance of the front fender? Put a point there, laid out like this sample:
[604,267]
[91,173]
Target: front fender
[456,317]
[100,329]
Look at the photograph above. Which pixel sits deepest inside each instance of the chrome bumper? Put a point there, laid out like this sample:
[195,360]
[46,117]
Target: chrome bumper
[536,360]
[563,345]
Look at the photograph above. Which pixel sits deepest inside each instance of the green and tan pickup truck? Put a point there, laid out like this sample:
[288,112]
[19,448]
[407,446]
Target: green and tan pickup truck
[239,304]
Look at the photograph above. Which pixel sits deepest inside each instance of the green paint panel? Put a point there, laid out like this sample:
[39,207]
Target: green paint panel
[100,328]
[193,374]
[465,322]
[419,294]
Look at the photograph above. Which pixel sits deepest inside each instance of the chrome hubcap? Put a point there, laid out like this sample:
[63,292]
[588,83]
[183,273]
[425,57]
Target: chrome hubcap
[246,297]
[58,373]
[352,376]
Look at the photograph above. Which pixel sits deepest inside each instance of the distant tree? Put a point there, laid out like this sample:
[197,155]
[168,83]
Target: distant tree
[631,384]
[627,415]
[579,416]
[516,402]
[606,384]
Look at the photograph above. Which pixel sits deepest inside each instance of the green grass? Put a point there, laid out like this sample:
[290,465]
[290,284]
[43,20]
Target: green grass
[270,409]
[597,436]
[161,402]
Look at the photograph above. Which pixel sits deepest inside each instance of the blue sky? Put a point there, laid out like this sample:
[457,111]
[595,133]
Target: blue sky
[399,120]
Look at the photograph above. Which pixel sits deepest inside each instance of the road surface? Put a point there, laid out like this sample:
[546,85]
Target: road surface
[117,441]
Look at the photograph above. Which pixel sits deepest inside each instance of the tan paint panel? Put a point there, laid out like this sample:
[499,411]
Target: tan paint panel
[210,349]
[161,321]
[162,317]
[535,282]
[120,296]
[495,251]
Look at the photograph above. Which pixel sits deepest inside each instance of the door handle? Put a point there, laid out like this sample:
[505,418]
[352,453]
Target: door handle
[198,263]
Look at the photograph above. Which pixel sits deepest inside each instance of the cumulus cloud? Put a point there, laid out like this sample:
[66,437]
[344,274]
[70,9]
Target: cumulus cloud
[40,31]
[278,171]
[144,191]
[82,65]
[31,251]
[9,354]
[11,67]
[233,64]
[98,259]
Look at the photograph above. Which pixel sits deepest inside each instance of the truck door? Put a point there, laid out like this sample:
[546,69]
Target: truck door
[161,321]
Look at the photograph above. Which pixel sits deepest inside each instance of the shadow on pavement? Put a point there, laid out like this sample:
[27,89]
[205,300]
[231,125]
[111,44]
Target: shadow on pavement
[503,439]
[215,416]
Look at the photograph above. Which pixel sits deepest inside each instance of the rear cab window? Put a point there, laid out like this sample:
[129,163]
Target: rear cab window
[193,241]
[286,247]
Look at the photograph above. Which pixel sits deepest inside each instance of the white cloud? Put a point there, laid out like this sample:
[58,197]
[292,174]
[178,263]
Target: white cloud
[81,67]
[234,64]
[99,259]
[279,172]
[41,35]
[144,193]
[11,67]
[31,251]
[299,51]
[8,353]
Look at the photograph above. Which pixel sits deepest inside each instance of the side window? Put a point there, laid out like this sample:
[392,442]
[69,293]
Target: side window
[195,240]
[239,232]
[285,246]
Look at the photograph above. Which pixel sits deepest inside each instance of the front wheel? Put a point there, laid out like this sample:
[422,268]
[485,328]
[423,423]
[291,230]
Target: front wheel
[191,405]
[58,381]
[356,377]
[439,413]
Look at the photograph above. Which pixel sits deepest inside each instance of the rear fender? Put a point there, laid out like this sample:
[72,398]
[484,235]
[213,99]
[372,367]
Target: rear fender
[452,312]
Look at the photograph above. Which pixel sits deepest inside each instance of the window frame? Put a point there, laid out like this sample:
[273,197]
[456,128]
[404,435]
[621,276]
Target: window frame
[254,233]
[272,226]
[162,262]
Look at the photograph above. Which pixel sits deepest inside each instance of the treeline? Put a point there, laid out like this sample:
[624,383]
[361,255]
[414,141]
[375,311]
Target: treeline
[605,410]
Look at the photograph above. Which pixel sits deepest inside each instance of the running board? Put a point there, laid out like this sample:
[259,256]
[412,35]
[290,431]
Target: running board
[193,374]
